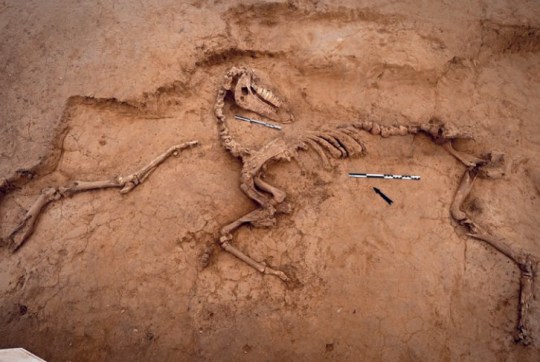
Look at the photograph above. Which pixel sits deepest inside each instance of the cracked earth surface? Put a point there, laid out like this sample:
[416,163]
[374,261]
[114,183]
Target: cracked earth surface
[94,90]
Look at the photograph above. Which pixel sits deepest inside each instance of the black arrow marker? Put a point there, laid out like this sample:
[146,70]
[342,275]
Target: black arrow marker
[386,198]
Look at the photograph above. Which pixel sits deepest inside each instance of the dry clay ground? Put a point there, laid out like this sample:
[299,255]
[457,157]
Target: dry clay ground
[93,91]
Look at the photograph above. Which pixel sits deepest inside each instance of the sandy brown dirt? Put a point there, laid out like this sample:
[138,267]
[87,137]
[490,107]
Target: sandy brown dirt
[90,91]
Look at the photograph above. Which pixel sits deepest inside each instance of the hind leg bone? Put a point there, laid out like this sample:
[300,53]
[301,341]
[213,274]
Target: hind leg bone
[465,158]
[525,262]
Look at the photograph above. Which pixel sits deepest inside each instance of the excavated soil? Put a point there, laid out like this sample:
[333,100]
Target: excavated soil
[90,91]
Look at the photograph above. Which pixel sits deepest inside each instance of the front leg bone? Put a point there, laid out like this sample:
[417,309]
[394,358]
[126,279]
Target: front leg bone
[277,194]
[131,181]
[25,228]
[261,267]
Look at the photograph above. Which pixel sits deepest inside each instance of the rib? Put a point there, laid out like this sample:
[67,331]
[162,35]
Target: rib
[327,146]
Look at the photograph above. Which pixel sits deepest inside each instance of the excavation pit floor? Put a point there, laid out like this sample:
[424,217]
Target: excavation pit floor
[92,91]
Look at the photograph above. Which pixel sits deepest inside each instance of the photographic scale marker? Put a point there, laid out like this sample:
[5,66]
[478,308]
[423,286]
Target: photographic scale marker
[384,176]
[385,198]
[256,121]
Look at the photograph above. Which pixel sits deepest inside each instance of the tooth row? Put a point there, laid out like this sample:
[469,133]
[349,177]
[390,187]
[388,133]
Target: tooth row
[267,95]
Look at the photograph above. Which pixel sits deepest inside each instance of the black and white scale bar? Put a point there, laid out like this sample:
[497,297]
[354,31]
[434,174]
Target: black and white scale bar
[385,176]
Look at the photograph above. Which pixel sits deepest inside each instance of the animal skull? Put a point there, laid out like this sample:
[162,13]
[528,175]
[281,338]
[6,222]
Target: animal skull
[249,94]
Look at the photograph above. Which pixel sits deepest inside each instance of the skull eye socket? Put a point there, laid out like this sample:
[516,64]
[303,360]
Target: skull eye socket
[245,91]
